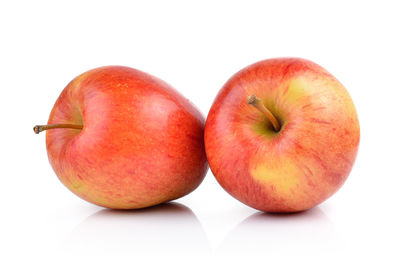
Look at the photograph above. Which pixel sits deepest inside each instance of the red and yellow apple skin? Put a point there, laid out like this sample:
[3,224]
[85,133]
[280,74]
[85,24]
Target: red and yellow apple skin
[141,143]
[304,163]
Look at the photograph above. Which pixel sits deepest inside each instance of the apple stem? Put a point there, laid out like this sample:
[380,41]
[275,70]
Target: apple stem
[256,102]
[39,128]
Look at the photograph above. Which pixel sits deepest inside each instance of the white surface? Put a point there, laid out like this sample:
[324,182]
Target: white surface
[196,47]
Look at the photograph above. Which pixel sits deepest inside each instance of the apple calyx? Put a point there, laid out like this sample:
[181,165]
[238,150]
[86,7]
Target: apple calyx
[39,128]
[256,102]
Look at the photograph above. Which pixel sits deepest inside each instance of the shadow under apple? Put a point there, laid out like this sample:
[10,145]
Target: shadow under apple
[308,232]
[170,228]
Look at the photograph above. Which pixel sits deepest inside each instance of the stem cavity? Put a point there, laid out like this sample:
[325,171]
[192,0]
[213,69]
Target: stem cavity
[256,102]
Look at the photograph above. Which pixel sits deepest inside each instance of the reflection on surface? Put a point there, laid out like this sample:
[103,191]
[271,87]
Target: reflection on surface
[308,232]
[170,228]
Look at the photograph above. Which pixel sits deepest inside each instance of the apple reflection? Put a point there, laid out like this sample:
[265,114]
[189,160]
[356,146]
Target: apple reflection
[308,232]
[170,228]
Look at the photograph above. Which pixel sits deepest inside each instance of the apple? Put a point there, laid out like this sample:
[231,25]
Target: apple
[123,139]
[282,135]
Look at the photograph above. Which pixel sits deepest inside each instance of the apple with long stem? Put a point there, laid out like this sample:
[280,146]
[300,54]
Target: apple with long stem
[282,135]
[123,139]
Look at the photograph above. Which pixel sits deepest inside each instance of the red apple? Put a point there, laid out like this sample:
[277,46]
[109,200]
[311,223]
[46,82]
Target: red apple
[298,161]
[123,139]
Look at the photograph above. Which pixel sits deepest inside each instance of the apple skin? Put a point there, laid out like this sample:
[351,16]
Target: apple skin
[304,163]
[141,144]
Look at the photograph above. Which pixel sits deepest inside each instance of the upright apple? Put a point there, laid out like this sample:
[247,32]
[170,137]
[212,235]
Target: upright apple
[282,135]
[123,139]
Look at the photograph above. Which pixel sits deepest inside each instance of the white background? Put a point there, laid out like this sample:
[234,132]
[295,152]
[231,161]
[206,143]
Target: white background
[196,47]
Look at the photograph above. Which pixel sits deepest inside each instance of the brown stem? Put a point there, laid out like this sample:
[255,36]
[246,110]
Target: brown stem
[39,128]
[256,102]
